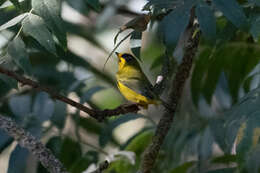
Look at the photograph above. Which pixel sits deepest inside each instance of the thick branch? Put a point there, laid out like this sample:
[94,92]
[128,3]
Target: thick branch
[97,114]
[164,125]
[26,140]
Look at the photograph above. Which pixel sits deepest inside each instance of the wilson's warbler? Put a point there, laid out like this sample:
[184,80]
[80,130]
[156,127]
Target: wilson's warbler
[132,82]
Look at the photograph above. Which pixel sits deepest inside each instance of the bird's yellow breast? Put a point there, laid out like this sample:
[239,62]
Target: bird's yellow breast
[133,96]
[128,71]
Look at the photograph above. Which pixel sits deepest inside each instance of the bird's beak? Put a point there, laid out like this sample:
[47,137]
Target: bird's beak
[118,55]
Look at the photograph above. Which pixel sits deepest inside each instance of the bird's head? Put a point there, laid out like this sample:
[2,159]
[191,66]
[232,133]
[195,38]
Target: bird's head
[125,59]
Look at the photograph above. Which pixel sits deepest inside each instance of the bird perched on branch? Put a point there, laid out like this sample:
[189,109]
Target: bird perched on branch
[132,82]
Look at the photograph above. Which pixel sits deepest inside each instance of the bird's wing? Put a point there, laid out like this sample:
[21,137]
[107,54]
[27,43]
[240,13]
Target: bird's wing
[139,85]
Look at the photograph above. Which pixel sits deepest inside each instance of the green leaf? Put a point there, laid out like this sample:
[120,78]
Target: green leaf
[60,114]
[43,106]
[50,11]
[79,5]
[253,160]
[71,58]
[20,105]
[13,21]
[157,62]
[11,82]
[197,81]
[55,145]
[106,134]
[227,60]
[255,2]
[224,170]
[52,77]
[124,145]
[225,159]
[17,50]
[5,140]
[183,168]
[86,33]
[175,23]
[255,29]
[140,142]
[18,159]
[248,133]
[233,11]
[34,26]
[215,68]
[205,145]
[242,59]
[219,133]
[4,89]
[2,1]
[89,93]
[226,33]
[122,165]
[94,4]
[247,83]
[16,3]
[77,86]
[136,43]
[241,122]
[84,162]
[124,161]
[251,77]
[70,152]
[207,21]
[90,125]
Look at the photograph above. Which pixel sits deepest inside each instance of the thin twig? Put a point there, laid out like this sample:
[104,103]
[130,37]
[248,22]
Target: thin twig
[99,115]
[118,44]
[165,122]
[26,140]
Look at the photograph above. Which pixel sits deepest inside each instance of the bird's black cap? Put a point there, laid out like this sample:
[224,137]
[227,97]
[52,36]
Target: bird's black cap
[128,57]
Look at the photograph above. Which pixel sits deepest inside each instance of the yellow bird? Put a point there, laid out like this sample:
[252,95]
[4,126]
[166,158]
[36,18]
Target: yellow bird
[132,82]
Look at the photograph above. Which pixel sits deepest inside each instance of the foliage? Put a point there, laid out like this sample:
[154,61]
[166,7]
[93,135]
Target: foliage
[216,129]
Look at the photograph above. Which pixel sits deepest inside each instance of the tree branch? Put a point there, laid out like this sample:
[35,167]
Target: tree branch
[100,115]
[26,140]
[165,123]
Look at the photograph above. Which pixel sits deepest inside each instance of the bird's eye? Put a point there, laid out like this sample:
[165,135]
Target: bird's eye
[127,57]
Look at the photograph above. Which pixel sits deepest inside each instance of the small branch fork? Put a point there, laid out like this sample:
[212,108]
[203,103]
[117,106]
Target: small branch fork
[99,115]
